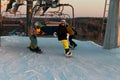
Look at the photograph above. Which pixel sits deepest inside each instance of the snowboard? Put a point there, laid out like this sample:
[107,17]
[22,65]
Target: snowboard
[39,51]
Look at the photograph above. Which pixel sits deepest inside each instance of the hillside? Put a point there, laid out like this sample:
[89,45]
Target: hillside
[89,62]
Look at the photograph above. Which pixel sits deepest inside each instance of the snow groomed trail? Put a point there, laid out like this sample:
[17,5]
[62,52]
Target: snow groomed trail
[89,62]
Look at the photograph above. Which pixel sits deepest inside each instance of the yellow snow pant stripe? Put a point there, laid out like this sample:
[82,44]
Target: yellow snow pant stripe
[33,46]
[65,44]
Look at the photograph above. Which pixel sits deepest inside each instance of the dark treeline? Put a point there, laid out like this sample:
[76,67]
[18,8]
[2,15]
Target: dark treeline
[88,28]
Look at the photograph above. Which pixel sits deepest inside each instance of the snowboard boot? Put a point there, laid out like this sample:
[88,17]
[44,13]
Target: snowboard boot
[75,45]
[38,50]
[68,53]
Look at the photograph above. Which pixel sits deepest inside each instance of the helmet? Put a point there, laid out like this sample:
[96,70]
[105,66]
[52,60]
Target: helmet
[36,23]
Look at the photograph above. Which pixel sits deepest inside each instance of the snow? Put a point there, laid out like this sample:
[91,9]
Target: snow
[89,62]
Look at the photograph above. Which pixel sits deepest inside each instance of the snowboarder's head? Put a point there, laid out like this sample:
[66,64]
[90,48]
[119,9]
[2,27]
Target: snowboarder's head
[63,22]
[38,24]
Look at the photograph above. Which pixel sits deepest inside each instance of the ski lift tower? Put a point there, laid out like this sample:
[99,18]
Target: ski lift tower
[0,17]
[29,13]
[112,33]
[0,22]
[0,13]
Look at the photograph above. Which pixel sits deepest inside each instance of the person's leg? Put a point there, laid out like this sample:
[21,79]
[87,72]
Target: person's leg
[70,40]
[33,43]
[66,47]
[9,5]
[35,10]
[72,43]
[15,6]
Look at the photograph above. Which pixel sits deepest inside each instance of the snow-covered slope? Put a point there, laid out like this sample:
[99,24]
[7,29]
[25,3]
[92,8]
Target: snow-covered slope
[89,61]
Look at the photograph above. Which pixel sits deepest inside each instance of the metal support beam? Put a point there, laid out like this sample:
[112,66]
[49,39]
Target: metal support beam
[73,20]
[29,13]
[112,33]
[59,5]
[0,23]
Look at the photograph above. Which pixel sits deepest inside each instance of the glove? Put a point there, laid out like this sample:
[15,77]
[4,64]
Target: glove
[55,34]
[68,35]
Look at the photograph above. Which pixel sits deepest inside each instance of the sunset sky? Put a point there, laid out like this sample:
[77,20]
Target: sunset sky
[83,8]
[87,8]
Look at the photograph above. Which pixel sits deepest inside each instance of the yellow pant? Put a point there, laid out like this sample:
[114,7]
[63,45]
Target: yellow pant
[65,44]
[33,46]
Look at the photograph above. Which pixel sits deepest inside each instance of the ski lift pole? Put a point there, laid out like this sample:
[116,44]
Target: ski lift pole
[29,14]
[0,23]
[73,20]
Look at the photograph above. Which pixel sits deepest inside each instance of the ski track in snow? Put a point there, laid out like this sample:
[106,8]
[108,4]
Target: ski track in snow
[89,61]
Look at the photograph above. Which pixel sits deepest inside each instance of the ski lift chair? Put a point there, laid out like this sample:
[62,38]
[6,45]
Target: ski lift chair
[12,6]
[51,24]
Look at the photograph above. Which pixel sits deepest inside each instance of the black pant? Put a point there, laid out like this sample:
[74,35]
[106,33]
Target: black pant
[16,6]
[72,43]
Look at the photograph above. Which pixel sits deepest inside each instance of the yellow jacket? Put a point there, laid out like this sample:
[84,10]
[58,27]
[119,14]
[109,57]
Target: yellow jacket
[69,30]
[38,30]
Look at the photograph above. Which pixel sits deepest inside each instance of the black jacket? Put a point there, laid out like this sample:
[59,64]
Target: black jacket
[62,32]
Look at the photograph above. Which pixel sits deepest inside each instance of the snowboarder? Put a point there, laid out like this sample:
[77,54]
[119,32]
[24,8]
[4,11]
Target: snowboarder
[39,31]
[71,35]
[33,38]
[62,36]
